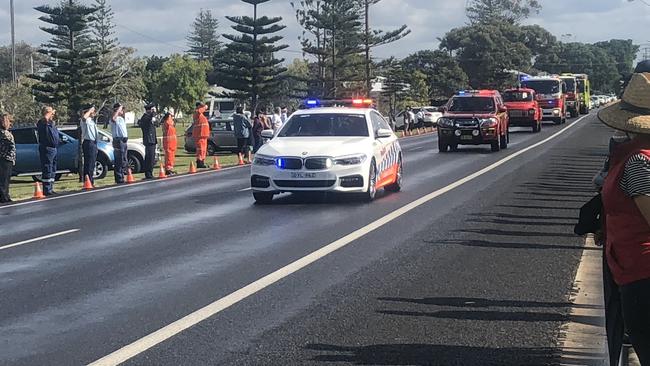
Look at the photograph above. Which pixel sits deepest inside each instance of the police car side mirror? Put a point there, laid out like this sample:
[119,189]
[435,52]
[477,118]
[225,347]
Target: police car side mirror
[267,134]
[383,133]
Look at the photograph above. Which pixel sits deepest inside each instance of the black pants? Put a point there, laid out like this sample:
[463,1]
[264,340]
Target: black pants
[5,177]
[614,325]
[121,159]
[150,156]
[48,167]
[635,298]
[90,159]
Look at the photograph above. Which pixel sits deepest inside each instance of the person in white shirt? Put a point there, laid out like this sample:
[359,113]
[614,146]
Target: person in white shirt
[120,138]
[284,116]
[89,142]
[409,120]
[277,119]
[419,117]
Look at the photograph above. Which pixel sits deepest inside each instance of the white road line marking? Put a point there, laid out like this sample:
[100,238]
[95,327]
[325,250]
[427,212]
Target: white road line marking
[123,186]
[245,189]
[151,340]
[39,239]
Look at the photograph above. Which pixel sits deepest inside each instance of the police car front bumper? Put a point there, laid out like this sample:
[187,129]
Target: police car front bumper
[339,178]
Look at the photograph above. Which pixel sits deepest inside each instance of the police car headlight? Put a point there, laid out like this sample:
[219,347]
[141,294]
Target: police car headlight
[350,159]
[445,122]
[263,160]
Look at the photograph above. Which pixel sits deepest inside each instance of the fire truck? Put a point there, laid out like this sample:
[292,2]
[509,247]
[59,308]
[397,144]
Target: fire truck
[572,103]
[584,92]
[551,95]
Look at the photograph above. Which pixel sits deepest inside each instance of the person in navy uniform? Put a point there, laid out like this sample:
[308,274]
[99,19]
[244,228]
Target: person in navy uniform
[149,139]
[48,141]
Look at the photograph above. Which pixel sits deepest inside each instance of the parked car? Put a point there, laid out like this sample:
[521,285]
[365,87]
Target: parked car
[28,161]
[430,114]
[222,137]
[135,150]
[474,117]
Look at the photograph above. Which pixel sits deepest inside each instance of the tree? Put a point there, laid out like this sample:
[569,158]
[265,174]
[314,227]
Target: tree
[17,99]
[486,51]
[395,85]
[203,40]
[294,87]
[375,38]
[340,47]
[180,83]
[538,40]
[153,66]
[444,74]
[103,28]
[25,54]
[623,51]
[251,69]
[499,11]
[74,74]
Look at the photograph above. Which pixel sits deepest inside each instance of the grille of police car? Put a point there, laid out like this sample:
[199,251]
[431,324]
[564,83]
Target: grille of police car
[304,183]
[290,163]
[316,163]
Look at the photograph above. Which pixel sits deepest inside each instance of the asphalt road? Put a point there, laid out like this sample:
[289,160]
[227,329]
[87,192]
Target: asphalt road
[477,274]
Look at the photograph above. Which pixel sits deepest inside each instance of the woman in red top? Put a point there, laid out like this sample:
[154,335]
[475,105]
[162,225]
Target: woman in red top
[626,206]
[170,143]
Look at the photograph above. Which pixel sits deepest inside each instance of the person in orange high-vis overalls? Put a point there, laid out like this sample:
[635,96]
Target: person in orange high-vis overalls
[201,133]
[170,143]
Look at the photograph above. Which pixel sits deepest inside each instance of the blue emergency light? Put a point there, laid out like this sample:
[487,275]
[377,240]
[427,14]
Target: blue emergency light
[312,102]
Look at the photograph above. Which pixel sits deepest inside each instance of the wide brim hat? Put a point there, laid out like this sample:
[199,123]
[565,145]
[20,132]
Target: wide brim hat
[632,112]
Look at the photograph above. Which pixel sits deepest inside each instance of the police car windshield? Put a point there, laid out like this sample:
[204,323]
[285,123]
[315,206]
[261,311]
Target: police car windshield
[543,86]
[324,125]
[517,96]
[472,104]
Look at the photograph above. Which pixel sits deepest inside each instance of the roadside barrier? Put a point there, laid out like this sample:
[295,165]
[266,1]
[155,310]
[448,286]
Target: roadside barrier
[162,174]
[192,168]
[38,191]
[129,177]
[87,184]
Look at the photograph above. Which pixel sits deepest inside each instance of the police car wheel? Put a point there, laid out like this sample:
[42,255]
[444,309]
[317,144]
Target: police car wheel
[371,192]
[442,146]
[263,198]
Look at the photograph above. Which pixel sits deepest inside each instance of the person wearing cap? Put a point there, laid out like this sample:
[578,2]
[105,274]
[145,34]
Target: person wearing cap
[201,133]
[149,139]
[89,144]
[48,142]
[626,210]
[170,143]
[120,139]
[7,156]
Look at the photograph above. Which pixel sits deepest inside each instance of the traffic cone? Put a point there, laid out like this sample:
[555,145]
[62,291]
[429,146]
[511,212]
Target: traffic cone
[192,168]
[216,165]
[129,177]
[87,184]
[241,160]
[38,191]
[162,174]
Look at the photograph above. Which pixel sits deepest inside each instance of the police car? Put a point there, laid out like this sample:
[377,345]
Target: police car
[348,149]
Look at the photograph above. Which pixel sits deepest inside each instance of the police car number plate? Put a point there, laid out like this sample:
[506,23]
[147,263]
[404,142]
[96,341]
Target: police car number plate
[300,175]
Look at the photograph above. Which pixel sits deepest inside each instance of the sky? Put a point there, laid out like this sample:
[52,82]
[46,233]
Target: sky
[160,26]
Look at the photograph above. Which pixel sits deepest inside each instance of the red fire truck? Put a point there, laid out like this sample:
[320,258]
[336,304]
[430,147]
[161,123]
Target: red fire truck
[551,95]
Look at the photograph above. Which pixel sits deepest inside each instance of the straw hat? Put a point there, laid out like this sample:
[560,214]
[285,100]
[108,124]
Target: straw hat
[632,112]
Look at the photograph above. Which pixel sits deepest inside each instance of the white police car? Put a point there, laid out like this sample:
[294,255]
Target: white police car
[340,149]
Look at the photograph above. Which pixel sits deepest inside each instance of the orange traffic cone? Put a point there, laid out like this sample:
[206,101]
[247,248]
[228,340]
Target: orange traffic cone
[192,168]
[162,174]
[129,177]
[87,184]
[216,165]
[241,160]
[38,191]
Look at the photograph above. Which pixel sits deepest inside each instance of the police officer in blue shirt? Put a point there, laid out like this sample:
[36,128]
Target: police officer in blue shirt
[120,139]
[89,145]
[48,141]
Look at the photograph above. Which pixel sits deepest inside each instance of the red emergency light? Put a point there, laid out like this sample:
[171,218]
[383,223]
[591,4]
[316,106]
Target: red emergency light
[362,102]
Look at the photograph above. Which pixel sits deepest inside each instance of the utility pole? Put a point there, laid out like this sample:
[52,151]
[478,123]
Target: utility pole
[14,75]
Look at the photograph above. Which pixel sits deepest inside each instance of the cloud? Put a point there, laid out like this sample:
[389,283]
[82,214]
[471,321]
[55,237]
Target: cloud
[160,26]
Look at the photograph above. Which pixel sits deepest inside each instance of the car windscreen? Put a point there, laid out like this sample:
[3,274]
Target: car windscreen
[517,96]
[226,106]
[472,104]
[581,86]
[543,86]
[323,125]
